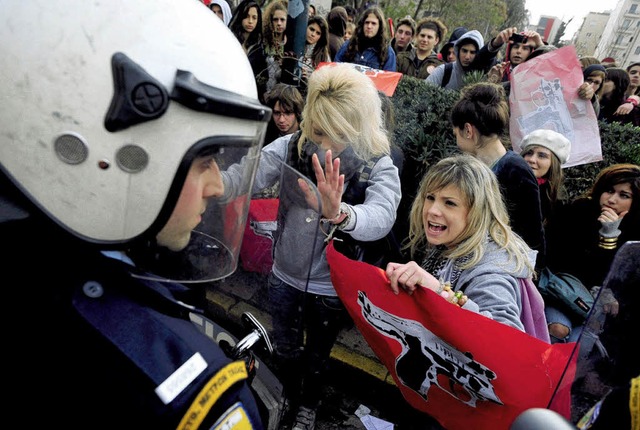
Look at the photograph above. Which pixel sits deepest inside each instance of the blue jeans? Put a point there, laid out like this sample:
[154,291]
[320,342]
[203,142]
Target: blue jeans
[554,315]
[302,358]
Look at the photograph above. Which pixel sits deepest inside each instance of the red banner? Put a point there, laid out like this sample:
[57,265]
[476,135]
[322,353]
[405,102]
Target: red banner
[384,80]
[462,368]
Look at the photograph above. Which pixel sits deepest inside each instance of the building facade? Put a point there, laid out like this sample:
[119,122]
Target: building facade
[590,32]
[620,36]
[548,27]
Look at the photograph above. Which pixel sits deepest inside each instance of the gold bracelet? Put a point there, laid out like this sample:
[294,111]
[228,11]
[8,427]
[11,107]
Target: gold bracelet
[463,300]
[608,239]
[608,243]
[456,297]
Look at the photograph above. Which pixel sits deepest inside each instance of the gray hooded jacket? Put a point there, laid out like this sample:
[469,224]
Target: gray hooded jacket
[300,244]
[457,74]
[492,286]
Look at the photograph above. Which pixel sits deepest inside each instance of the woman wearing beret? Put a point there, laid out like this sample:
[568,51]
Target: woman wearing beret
[546,151]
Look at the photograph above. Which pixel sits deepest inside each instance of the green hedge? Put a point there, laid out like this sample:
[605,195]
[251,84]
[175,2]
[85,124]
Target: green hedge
[423,131]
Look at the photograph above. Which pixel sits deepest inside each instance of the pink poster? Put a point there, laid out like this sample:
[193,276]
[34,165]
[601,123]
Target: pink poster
[544,95]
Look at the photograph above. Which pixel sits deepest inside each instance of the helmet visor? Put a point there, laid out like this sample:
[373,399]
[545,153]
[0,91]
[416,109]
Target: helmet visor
[200,241]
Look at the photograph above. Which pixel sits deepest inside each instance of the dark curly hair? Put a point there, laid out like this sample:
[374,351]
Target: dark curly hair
[380,42]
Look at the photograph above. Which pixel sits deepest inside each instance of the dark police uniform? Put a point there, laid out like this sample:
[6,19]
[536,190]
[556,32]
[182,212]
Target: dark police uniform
[95,347]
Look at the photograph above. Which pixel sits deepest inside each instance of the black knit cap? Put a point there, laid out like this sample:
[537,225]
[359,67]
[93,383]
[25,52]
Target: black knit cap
[592,68]
[455,35]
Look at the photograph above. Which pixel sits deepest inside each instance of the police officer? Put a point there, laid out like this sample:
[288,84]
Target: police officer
[117,118]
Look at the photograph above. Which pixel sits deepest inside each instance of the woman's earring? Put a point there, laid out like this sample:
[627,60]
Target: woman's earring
[467,128]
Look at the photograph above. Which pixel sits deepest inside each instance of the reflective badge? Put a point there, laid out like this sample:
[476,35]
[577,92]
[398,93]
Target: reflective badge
[234,419]
[634,403]
[178,381]
[209,395]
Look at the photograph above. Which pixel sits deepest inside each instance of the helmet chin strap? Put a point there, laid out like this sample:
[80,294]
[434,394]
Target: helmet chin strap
[11,211]
[11,204]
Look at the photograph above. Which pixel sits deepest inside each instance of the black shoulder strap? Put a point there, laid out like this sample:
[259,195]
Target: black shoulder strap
[354,194]
[357,184]
[378,252]
[293,158]
[448,68]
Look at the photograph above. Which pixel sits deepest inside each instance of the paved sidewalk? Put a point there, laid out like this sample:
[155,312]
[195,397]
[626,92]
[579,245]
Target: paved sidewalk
[229,298]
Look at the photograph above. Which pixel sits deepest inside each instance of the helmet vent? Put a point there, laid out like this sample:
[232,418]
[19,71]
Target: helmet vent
[71,149]
[132,158]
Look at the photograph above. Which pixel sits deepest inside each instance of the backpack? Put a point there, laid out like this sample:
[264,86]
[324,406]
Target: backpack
[566,292]
[532,313]
[448,68]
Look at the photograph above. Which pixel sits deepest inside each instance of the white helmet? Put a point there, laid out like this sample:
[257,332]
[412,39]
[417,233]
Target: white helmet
[106,103]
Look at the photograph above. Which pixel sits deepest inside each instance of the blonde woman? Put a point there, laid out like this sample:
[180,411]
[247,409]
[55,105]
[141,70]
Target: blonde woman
[342,132]
[460,233]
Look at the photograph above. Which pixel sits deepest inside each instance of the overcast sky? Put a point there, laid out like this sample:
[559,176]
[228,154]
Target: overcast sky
[565,9]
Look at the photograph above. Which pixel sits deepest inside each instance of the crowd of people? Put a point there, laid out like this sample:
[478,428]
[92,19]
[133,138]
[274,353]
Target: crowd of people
[483,223]
[418,49]
[539,213]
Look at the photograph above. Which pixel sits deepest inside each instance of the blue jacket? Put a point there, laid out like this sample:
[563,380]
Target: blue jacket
[369,58]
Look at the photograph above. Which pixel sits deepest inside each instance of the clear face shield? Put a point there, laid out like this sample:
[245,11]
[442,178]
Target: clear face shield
[201,225]
[200,241]
[603,358]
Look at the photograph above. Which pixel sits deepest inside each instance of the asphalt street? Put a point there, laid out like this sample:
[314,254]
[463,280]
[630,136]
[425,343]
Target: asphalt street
[349,391]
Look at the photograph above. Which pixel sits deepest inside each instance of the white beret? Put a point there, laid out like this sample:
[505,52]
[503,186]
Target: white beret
[552,140]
